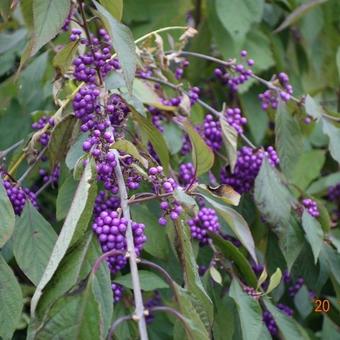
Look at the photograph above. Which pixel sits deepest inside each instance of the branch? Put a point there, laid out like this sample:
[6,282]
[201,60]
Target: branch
[104,257]
[4,153]
[117,323]
[139,312]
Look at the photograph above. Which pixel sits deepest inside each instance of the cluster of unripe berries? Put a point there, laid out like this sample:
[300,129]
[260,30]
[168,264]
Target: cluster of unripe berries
[284,90]
[110,229]
[311,206]
[19,196]
[247,167]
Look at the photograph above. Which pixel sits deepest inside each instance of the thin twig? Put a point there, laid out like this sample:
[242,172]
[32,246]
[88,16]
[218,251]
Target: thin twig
[149,198]
[139,312]
[117,323]
[103,257]
[5,152]
[43,187]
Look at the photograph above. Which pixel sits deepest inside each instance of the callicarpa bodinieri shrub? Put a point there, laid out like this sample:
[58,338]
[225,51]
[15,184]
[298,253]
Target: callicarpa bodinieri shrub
[169,169]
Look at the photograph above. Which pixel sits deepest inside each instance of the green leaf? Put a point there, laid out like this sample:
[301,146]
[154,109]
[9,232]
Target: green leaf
[322,184]
[313,108]
[202,155]
[123,43]
[74,226]
[298,13]
[148,280]
[173,136]
[249,311]
[76,151]
[308,168]
[201,300]
[60,140]
[49,17]
[332,259]
[237,16]
[262,278]
[34,239]
[11,40]
[225,192]
[271,196]
[287,325]
[314,233]
[127,147]
[11,301]
[338,60]
[7,216]
[233,253]
[215,275]
[156,139]
[187,201]
[63,59]
[237,224]
[288,139]
[115,8]
[65,196]
[333,133]
[229,135]
[274,281]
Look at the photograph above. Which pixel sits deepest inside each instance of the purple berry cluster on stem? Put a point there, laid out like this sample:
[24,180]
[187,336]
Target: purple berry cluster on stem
[186,173]
[117,291]
[311,206]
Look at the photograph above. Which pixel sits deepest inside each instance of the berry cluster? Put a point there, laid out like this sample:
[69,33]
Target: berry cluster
[186,173]
[270,98]
[205,221]
[247,167]
[311,206]
[269,320]
[40,124]
[293,289]
[180,68]
[110,229]
[186,145]
[105,201]
[334,196]
[117,291]
[234,118]
[53,177]
[212,133]
[154,301]
[252,292]
[19,196]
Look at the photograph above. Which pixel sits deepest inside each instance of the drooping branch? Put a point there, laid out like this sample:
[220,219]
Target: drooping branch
[117,323]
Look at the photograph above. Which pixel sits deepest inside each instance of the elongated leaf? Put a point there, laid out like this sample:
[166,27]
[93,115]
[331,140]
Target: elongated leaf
[123,44]
[74,226]
[274,281]
[237,224]
[333,134]
[229,135]
[237,16]
[127,147]
[65,196]
[156,139]
[49,16]
[271,196]
[7,220]
[148,280]
[76,151]
[322,184]
[202,155]
[63,59]
[298,13]
[11,301]
[114,7]
[313,108]
[201,300]
[34,239]
[231,252]
[314,234]
[226,193]
[288,139]
[249,311]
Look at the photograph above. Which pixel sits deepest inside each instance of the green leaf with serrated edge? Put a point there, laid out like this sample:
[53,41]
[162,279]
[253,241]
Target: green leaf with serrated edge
[313,108]
[237,224]
[202,155]
[313,232]
[48,18]
[7,216]
[249,311]
[237,16]
[123,43]
[65,196]
[74,268]
[114,7]
[229,136]
[60,140]
[333,134]
[127,147]
[156,139]
[63,59]
[34,239]
[225,192]
[288,139]
[298,13]
[11,301]
[308,168]
[274,280]
[288,327]
[200,299]
[74,227]
[149,281]
[187,201]
[271,195]
[233,253]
